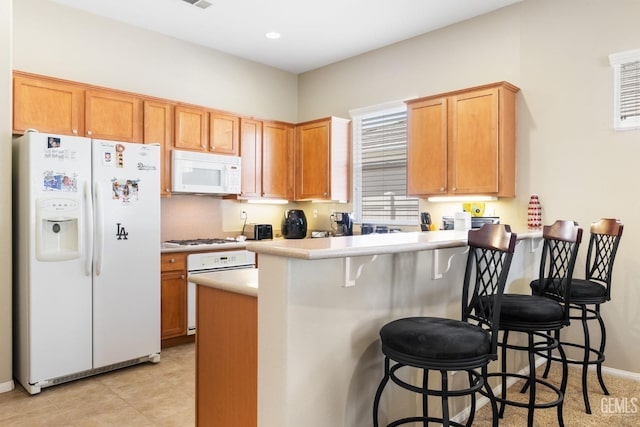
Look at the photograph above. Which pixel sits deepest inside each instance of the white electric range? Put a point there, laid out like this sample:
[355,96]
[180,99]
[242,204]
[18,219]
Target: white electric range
[225,256]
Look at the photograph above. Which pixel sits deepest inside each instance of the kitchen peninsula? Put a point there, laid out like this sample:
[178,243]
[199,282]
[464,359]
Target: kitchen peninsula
[321,303]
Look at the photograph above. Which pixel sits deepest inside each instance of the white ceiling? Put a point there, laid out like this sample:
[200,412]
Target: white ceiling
[314,34]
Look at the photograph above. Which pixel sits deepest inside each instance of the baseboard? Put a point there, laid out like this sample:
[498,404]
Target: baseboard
[619,373]
[7,386]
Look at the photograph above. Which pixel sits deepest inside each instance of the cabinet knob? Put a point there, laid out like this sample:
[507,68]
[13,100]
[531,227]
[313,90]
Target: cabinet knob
[89,132]
[182,276]
[167,190]
[202,145]
[442,189]
[454,189]
[213,147]
[74,131]
[172,260]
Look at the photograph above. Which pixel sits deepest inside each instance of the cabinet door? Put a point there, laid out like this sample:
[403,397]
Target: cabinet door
[224,133]
[427,147]
[277,164]
[158,128]
[113,115]
[173,304]
[313,160]
[473,142]
[190,128]
[47,106]
[251,152]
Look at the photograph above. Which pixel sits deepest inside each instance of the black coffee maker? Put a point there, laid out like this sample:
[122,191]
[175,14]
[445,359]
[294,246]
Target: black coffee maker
[294,224]
[344,223]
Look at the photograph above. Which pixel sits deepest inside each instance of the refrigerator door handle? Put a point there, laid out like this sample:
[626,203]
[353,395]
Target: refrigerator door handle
[88,204]
[99,227]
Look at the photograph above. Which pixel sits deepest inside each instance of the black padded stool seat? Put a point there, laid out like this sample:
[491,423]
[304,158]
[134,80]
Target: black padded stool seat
[535,316]
[524,311]
[416,339]
[580,289]
[586,296]
[444,345]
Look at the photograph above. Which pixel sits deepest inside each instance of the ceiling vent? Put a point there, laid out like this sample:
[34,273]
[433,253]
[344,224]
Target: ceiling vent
[202,4]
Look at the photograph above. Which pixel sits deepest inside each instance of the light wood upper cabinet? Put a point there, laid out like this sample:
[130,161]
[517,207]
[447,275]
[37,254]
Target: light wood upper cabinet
[277,160]
[113,115]
[322,160]
[427,151]
[67,108]
[47,105]
[191,128]
[463,142]
[267,154]
[158,128]
[251,158]
[208,131]
[224,133]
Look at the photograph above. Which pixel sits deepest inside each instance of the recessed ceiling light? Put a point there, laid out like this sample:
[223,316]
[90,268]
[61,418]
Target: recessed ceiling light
[272,35]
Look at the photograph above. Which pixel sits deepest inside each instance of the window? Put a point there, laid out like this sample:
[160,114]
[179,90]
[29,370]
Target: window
[380,166]
[626,89]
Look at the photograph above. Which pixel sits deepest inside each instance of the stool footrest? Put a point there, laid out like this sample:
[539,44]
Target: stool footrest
[544,383]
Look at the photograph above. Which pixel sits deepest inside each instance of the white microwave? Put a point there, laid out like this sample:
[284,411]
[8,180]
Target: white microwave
[204,173]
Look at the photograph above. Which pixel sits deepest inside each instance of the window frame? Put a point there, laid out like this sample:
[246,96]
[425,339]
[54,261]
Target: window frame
[617,61]
[357,115]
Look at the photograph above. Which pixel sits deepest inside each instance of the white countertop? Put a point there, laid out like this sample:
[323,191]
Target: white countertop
[243,281]
[370,244]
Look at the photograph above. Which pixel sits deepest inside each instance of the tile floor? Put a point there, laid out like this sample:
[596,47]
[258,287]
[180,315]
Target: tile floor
[162,395]
[145,395]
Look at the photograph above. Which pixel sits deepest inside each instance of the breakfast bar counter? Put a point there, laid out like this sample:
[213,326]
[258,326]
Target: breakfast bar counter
[322,302]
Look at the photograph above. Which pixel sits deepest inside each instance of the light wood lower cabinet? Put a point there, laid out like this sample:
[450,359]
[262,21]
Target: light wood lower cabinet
[226,358]
[173,295]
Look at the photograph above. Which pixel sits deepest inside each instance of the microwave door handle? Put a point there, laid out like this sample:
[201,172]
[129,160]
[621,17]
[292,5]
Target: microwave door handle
[226,177]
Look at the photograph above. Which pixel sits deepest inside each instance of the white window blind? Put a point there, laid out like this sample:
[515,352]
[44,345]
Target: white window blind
[380,168]
[626,67]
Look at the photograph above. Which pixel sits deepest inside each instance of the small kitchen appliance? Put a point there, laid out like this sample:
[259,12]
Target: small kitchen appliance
[205,173]
[209,262]
[258,231]
[344,223]
[294,224]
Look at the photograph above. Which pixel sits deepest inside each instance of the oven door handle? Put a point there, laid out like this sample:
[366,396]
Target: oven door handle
[216,269]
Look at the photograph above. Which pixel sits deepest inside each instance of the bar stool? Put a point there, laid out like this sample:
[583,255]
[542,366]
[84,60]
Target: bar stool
[445,345]
[533,314]
[593,290]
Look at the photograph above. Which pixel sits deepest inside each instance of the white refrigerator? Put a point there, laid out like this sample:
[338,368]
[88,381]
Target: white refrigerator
[87,257]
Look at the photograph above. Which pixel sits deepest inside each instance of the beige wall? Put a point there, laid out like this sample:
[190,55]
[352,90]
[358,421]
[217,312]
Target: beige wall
[6,375]
[557,53]
[58,41]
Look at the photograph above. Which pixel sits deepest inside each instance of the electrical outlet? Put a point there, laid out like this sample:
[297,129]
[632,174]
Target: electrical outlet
[243,215]
[315,213]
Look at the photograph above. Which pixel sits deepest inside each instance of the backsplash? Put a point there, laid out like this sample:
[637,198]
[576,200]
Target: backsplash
[191,216]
